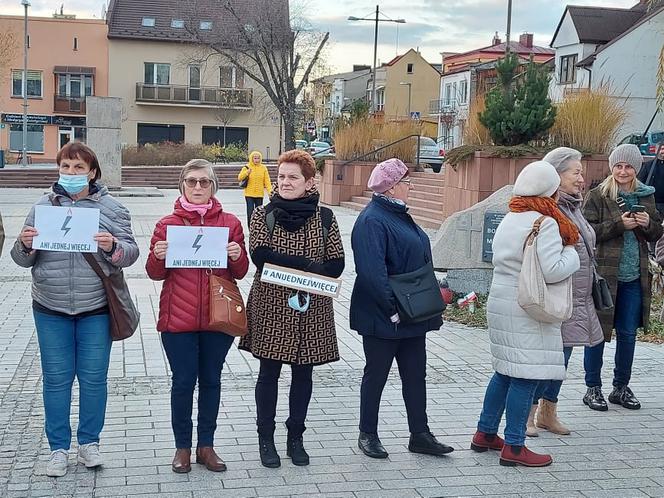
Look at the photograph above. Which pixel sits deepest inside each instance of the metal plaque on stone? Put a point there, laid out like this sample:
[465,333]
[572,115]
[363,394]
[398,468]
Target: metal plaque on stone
[491,222]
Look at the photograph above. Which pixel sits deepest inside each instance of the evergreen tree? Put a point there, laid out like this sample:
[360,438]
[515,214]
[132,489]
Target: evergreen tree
[518,110]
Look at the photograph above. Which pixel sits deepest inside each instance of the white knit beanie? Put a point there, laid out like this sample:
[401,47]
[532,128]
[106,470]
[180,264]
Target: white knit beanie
[626,153]
[538,179]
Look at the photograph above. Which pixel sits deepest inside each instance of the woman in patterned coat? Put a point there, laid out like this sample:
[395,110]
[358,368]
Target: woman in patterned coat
[285,326]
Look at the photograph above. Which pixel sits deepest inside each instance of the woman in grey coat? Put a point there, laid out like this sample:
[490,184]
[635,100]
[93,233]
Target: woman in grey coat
[70,307]
[583,328]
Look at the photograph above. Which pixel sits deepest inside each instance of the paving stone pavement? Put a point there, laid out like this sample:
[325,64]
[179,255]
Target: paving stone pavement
[617,453]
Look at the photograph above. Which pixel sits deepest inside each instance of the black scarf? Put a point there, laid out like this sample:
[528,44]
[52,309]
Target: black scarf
[292,215]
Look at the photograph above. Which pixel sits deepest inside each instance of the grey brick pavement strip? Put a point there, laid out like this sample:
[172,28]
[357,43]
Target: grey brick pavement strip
[608,454]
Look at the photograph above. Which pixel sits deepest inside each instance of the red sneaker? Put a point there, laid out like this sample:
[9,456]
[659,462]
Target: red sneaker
[482,442]
[511,456]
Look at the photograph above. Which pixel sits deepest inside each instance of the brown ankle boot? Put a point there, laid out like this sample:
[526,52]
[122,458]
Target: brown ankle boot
[182,461]
[205,455]
[547,418]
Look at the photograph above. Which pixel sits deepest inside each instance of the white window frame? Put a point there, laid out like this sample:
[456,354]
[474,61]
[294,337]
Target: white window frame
[234,79]
[155,72]
[148,22]
[463,91]
[30,72]
[205,25]
[177,23]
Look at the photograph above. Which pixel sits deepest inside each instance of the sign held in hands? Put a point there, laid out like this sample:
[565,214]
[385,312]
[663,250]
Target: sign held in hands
[300,280]
[66,229]
[196,247]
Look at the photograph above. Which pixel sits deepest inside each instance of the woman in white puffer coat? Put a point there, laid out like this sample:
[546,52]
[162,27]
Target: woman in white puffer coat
[525,351]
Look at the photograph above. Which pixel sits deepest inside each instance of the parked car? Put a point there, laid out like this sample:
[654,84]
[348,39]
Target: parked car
[431,153]
[647,144]
[320,149]
[301,144]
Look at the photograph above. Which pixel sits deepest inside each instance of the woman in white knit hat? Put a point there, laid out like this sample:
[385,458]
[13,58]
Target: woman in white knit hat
[526,352]
[583,327]
[622,211]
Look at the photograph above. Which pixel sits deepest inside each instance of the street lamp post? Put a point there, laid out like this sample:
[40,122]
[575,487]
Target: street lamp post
[376,20]
[409,89]
[24,156]
[509,26]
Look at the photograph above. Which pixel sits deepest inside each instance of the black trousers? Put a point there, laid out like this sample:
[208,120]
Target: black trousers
[411,358]
[252,203]
[267,389]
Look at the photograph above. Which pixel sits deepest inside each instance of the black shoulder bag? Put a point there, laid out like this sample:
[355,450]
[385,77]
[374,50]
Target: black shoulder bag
[417,293]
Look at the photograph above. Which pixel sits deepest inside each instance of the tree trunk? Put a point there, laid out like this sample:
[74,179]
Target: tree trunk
[289,131]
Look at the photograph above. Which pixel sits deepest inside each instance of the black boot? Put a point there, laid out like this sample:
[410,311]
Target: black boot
[295,450]
[594,399]
[371,445]
[624,396]
[425,442]
[269,456]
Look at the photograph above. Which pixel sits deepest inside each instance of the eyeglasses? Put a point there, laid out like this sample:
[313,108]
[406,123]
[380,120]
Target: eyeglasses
[203,182]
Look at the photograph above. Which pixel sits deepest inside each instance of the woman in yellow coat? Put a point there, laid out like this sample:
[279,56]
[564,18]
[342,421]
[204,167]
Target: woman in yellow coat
[257,180]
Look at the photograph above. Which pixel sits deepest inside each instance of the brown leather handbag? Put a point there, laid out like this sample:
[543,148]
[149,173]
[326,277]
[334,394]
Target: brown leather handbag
[227,311]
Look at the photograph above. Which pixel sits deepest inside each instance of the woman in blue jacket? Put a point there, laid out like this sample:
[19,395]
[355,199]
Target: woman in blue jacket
[386,241]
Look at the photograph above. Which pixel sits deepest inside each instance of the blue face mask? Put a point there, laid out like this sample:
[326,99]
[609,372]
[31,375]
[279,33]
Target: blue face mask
[73,184]
[299,305]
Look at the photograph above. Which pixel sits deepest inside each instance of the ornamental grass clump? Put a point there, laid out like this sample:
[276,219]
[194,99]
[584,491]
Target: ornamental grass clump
[589,120]
[365,135]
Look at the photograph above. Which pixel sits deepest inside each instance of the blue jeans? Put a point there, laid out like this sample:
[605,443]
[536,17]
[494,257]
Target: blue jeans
[549,390]
[74,347]
[626,319]
[195,356]
[512,396]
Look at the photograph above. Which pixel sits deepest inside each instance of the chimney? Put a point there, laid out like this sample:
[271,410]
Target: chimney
[526,39]
[496,40]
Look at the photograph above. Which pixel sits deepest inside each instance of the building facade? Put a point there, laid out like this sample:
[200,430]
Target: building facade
[469,74]
[67,61]
[175,90]
[333,95]
[616,49]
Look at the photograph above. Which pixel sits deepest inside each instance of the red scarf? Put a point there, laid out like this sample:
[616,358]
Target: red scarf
[548,207]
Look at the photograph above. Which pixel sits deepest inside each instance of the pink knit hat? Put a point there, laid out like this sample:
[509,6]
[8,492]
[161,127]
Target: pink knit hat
[386,175]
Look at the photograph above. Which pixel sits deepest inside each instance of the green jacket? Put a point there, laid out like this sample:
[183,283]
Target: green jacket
[605,217]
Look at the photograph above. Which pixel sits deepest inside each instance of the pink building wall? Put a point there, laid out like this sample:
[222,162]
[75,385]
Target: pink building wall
[51,45]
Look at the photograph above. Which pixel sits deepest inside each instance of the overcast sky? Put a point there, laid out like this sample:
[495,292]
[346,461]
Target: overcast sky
[432,25]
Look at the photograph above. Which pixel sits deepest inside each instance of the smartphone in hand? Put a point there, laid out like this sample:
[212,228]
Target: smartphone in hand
[637,208]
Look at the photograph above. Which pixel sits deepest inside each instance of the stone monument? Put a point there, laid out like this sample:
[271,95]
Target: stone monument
[462,246]
[104,120]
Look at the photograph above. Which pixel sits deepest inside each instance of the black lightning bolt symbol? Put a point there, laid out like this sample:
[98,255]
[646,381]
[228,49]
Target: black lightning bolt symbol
[196,245]
[65,228]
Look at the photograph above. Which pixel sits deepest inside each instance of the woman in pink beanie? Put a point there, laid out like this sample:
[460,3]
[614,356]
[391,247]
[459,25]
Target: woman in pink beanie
[387,242]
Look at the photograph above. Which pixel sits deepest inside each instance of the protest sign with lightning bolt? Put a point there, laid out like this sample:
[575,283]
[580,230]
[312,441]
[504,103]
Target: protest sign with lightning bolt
[65,226]
[196,245]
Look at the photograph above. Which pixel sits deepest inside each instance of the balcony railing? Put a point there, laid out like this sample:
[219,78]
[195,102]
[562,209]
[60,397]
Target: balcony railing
[448,106]
[226,98]
[68,104]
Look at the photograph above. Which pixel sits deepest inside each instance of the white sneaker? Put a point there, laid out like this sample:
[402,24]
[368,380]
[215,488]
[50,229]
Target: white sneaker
[57,464]
[88,455]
